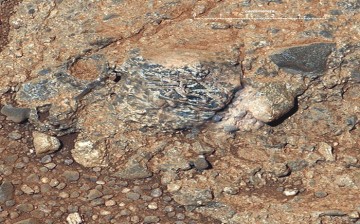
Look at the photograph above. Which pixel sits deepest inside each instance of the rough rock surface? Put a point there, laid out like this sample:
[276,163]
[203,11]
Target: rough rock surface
[45,144]
[179,111]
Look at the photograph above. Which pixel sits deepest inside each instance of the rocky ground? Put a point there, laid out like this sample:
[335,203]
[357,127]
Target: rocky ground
[217,111]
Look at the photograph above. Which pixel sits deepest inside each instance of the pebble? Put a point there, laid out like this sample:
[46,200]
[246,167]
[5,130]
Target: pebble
[14,135]
[74,194]
[320,194]
[231,190]
[180,216]
[133,196]
[26,189]
[64,195]
[74,218]
[6,191]
[110,203]
[50,166]
[169,208]
[26,207]
[45,180]
[290,192]
[135,219]
[46,159]
[93,194]
[54,182]
[104,212]
[45,144]
[201,163]
[61,186]
[157,192]
[71,175]
[68,162]
[151,219]
[172,187]
[354,215]
[33,178]
[100,182]
[153,206]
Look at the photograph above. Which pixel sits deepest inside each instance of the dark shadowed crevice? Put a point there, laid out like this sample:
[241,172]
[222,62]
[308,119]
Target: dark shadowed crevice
[286,116]
[68,141]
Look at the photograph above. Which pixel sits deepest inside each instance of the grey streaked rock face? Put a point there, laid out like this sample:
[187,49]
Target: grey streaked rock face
[172,98]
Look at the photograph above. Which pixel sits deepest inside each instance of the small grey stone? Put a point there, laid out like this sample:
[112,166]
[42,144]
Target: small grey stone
[10,203]
[68,162]
[14,135]
[71,175]
[133,196]
[15,114]
[61,186]
[97,202]
[231,128]
[201,163]
[180,216]
[50,166]
[33,178]
[320,194]
[26,207]
[169,208]
[93,194]
[6,191]
[151,219]
[125,212]
[46,159]
[157,192]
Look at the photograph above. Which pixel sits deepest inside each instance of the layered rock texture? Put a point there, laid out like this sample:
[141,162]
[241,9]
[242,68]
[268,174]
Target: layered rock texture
[243,110]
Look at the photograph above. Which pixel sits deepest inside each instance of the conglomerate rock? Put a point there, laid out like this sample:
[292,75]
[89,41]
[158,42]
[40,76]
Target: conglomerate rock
[245,111]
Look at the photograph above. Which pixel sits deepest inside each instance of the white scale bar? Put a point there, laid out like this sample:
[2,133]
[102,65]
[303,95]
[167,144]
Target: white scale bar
[264,18]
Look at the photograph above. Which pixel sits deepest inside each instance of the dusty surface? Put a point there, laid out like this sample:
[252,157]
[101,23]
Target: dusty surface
[179,111]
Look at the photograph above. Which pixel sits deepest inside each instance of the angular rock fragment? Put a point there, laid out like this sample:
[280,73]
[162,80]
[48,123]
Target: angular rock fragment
[192,196]
[326,150]
[266,103]
[15,114]
[201,163]
[308,59]
[45,144]
[89,153]
[6,191]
